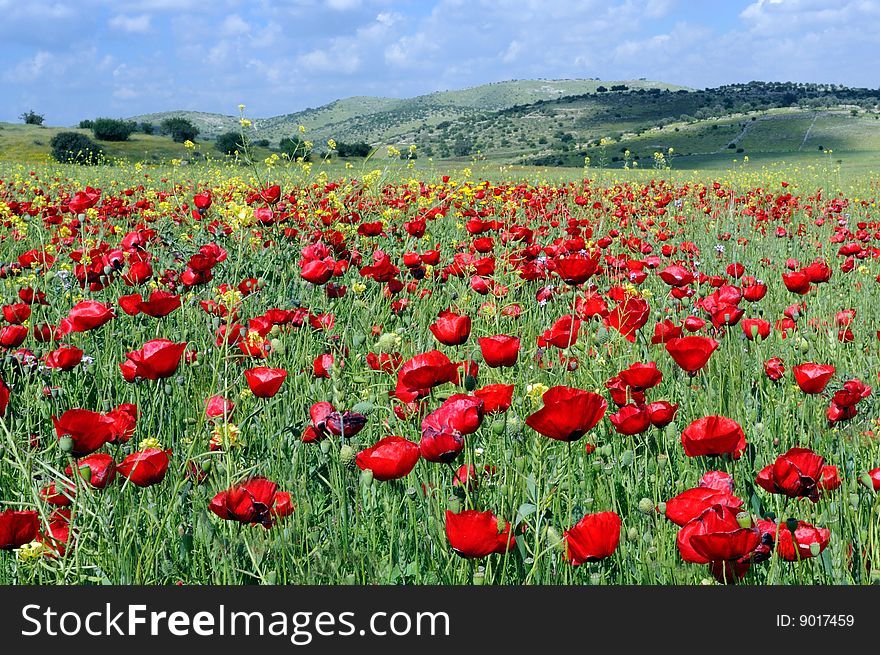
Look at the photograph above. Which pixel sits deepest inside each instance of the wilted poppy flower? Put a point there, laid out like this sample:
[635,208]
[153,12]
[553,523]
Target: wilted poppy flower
[499,350]
[474,534]
[146,467]
[265,382]
[795,474]
[713,435]
[98,470]
[124,419]
[813,378]
[157,359]
[692,352]
[87,430]
[389,459]
[4,397]
[18,528]
[451,329]
[595,537]
[249,502]
[568,413]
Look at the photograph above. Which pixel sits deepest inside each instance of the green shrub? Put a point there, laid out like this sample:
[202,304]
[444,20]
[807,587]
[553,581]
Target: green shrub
[75,148]
[112,129]
[229,142]
[180,129]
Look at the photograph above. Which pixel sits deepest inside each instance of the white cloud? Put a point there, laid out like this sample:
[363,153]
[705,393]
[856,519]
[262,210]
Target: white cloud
[235,25]
[131,24]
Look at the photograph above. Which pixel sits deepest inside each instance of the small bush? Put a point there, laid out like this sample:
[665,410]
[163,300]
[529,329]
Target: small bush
[229,142]
[86,124]
[147,128]
[75,148]
[112,129]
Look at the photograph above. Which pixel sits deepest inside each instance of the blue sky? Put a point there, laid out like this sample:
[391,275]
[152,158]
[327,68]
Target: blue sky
[75,59]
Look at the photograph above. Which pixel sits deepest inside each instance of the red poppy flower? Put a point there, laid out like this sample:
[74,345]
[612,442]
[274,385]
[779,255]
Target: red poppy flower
[692,352]
[716,535]
[713,435]
[676,276]
[576,269]
[595,537]
[568,413]
[474,534]
[389,459]
[441,446]
[146,467]
[265,382]
[124,419]
[689,504]
[451,329]
[662,413]
[499,350]
[461,412]
[774,368]
[874,474]
[420,373]
[631,419]
[813,378]
[157,359]
[641,376]
[562,334]
[797,282]
[718,480]
[318,271]
[755,327]
[4,397]
[18,528]
[87,430]
[797,547]
[248,502]
[496,397]
[467,476]
[218,406]
[86,315]
[795,474]
[17,313]
[64,358]
[12,336]
[160,304]
[98,470]
[386,362]
[830,479]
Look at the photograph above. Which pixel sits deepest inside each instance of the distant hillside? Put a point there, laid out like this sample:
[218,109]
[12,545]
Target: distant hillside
[554,123]
[385,120]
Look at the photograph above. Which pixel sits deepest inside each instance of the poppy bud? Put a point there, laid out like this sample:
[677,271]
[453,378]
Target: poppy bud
[366,478]
[791,524]
[646,506]
[86,473]
[662,461]
[661,507]
[866,481]
[758,429]
[632,534]
[470,382]
[553,538]
[498,426]
[347,456]
[207,465]
[815,549]
[803,345]
[744,519]
[326,446]
[277,345]
[65,443]
[479,577]
[627,457]
[453,505]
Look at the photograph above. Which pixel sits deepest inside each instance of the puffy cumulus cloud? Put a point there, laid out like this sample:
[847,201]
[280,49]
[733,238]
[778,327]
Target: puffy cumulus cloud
[131,24]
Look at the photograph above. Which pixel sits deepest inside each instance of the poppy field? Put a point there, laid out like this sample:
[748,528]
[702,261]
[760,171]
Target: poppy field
[288,377]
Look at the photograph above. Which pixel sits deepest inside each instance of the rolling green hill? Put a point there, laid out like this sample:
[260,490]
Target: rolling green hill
[553,123]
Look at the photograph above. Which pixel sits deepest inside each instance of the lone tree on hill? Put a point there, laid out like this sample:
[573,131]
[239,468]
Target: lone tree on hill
[180,129]
[32,118]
